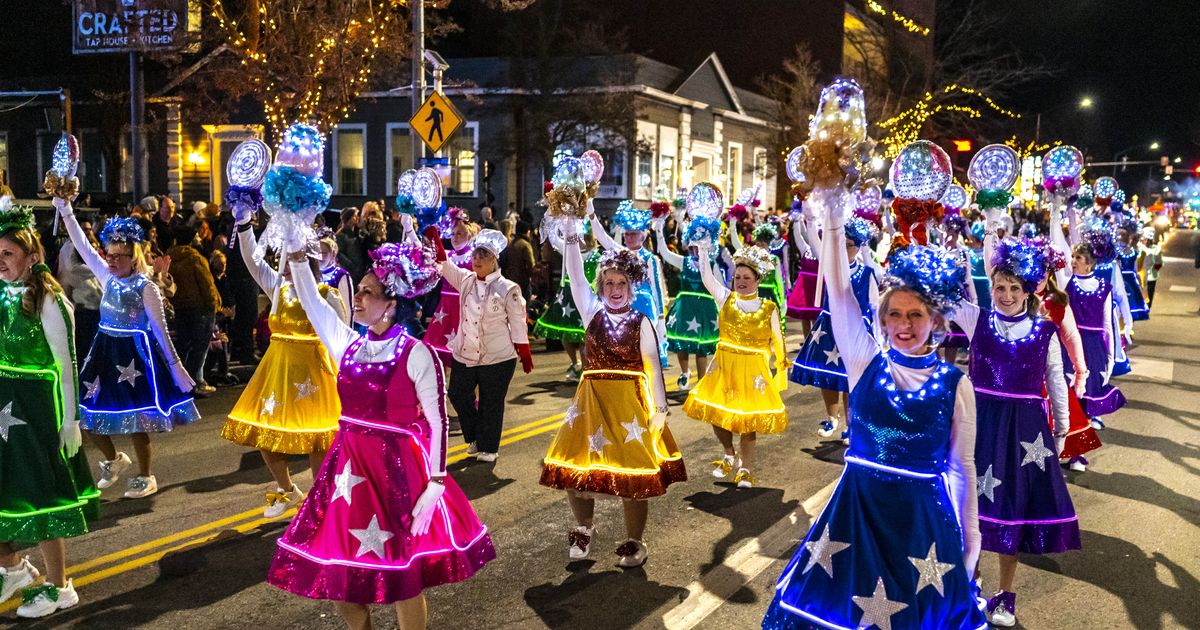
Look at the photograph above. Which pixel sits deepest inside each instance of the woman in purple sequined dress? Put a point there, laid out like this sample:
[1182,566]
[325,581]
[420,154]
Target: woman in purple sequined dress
[383,521]
[1024,506]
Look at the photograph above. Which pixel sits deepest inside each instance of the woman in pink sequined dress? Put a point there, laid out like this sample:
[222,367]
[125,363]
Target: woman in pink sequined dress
[383,521]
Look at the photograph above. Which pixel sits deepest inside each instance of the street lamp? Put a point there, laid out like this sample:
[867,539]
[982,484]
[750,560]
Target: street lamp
[1154,146]
[1086,102]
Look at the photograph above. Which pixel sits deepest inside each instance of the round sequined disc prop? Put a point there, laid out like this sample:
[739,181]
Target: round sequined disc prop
[921,171]
[248,164]
[994,167]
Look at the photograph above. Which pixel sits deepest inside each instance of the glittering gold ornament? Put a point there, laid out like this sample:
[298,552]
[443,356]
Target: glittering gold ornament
[64,187]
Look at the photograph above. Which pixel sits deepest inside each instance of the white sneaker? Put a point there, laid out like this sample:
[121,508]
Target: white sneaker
[140,487]
[633,554]
[111,469]
[1078,464]
[722,467]
[572,375]
[472,449]
[46,599]
[580,541]
[1097,424]
[828,426]
[279,501]
[486,457]
[744,479]
[684,382]
[13,579]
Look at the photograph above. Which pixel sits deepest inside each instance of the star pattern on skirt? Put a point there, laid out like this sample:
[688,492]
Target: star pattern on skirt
[760,384]
[693,325]
[305,389]
[129,374]
[371,539]
[597,442]
[877,609]
[572,413]
[93,388]
[568,310]
[832,356]
[987,484]
[633,430]
[438,316]
[8,420]
[816,334]
[821,550]
[1036,453]
[268,405]
[343,484]
[930,571]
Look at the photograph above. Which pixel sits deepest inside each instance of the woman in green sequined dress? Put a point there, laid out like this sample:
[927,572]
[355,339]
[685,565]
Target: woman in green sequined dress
[46,489]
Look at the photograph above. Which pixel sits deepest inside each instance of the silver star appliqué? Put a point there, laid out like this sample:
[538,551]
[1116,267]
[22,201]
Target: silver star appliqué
[597,442]
[930,571]
[877,609]
[572,413]
[438,316]
[305,389]
[760,384]
[129,374]
[343,484]
[8,420]
[832,356]
[268,404]
[633,430]
[568,310]
[93,389]
[1036,452]
[816,334]
[987,484]
[372,538]
[821,550]
[693,325]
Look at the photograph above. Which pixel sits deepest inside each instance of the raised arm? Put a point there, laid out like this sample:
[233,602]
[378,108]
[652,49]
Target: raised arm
[855,344]
[585,298]
[966,315]
[87,253]
[1058,240]
[334,333]
[1122,300]
[668,256]
[1073,228]
[156,315]
[800,238]
[735,237]
[603,238]
[266,277]
[455,275]
[1068,332]
[345,290]
[960,465]
[715,287]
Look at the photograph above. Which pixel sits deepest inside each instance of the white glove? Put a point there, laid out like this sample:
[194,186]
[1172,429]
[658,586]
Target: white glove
[63,206]
[994,217]
[70,438]
[1129,336]
[422,513]
[658,421]
[242,213]
[182,379]
[591,209]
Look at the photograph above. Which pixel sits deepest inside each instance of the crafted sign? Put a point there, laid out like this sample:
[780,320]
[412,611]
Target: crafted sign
[436,121]
[107,26]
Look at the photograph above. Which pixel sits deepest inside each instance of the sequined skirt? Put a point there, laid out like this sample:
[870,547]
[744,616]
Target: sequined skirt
[1081,437]
[606,445]
[738,394]
[43,494]
[818,363]
[800,300]
[1100,397]
[1024,505]
[126,387]
[1137,301]
[692,324]
[865,545]
[350,540]
[291,403]
[443,324]
[561,320]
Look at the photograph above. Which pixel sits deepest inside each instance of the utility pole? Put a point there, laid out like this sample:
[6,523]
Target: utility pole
[418,74]
[137,114]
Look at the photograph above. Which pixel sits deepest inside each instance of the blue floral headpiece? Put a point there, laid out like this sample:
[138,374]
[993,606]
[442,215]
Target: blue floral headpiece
[122,230]
[631,217]
[859,230]
[1023,258]
[978,230]
[702,229]
[1100,237]
[934,274]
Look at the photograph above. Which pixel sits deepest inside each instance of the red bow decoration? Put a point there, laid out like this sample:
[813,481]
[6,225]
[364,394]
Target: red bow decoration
[547,187]
[912,217]
[737,212]
[660,209]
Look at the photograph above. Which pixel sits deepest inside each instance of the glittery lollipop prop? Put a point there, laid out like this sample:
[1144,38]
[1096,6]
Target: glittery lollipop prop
[838,151]
[704,200]
[954,199]
[404,193]
[1105,188]
[60,180]
[246,170]
[867,202]
[1061,167]
[293,191]
[992,173]
[427,197]
[1085,198]
[920,175]
[575,180]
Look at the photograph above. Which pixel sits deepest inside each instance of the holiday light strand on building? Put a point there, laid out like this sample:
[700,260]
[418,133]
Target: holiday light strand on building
[906,127]
[908,23]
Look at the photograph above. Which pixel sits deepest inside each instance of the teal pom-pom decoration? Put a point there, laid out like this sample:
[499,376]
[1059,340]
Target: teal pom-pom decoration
[286,188]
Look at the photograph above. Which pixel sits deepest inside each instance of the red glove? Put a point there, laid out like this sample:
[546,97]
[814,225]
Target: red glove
[526,356]
[431,234]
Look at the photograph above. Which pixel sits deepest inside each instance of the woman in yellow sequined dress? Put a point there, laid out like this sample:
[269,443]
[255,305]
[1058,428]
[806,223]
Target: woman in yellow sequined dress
[739,394]
[290,406]
[614,441]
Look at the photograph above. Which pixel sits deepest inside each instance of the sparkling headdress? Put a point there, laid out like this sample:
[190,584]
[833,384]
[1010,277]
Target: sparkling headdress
[765,231]
[14,217]
[1101,239]
[702,229]
[955,223]
[935,275]
[859,230]
[1055,258]
[757,259]
[122,230]
[622,261]
[1021,258]
[406,269]
[630,217]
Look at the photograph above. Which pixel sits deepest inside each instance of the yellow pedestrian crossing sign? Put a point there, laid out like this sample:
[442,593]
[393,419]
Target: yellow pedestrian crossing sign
[436,121]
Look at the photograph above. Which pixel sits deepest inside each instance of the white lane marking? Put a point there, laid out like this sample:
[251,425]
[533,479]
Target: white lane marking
[1153,369]
[1182,288]
[1176,259]
[708,594]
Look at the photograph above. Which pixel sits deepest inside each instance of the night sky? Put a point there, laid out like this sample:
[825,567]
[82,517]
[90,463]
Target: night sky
[1137,59]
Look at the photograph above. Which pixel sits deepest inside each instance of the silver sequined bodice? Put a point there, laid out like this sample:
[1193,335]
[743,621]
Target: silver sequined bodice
[122,305]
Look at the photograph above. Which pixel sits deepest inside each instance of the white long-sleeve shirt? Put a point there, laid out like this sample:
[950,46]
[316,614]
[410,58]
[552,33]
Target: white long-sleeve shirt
[491,317]
[55,324]
[859,348]
[422,368]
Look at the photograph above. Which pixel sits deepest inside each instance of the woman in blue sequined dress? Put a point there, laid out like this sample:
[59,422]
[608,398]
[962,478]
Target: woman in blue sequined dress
[133,382]
[887,551]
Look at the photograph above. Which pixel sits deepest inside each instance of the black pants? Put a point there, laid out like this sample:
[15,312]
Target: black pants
[193,332]
[245,316]
[481,423]
[1150,292]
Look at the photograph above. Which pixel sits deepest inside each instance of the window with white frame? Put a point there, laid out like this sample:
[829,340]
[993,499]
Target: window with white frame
[733,168]
[400,154]
[760,167]
[647,142]
[463,154]
[350,160]
[668,145]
